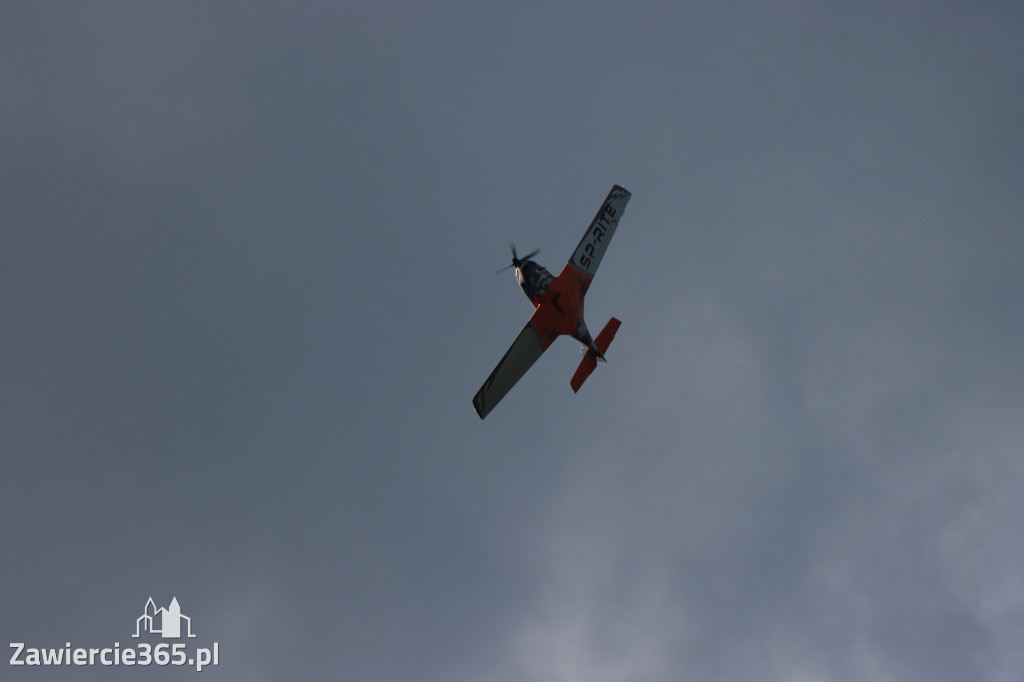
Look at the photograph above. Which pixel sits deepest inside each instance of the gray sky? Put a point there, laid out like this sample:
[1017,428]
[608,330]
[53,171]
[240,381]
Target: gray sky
[246,294]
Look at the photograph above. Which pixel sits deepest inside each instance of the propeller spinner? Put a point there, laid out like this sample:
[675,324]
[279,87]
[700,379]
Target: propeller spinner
[516,260]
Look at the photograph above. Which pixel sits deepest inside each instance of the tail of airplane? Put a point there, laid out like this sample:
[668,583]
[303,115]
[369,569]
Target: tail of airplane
[589,362]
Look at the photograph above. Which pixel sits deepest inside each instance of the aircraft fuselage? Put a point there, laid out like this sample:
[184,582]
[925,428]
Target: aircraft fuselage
[558,300]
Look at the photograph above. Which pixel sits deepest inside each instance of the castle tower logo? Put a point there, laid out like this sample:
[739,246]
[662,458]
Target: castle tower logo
[165,622]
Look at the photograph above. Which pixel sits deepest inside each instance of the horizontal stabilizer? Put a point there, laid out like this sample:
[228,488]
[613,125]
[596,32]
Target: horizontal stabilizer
[589,362]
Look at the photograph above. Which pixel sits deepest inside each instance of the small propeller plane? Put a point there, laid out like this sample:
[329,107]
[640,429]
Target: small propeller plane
[559,307]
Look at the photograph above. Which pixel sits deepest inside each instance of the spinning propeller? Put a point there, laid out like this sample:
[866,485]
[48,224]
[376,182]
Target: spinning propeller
[516,260]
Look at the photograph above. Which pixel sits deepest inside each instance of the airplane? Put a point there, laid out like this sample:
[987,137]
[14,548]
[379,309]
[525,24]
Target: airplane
[558,303]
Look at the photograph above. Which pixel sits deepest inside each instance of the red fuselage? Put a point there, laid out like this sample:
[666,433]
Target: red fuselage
[558,301]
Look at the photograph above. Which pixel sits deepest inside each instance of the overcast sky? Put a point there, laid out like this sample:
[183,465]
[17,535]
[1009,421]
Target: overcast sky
[246,297]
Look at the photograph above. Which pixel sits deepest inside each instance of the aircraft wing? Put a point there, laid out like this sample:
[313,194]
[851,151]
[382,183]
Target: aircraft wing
[588,254]
[519,358]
